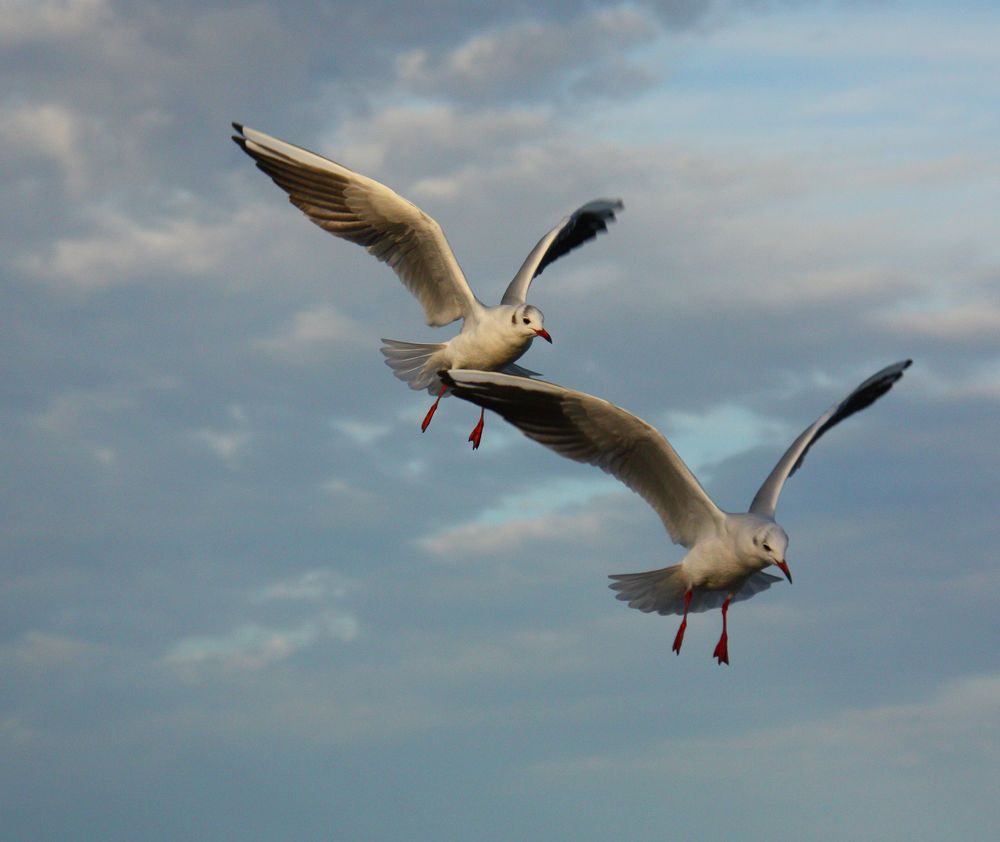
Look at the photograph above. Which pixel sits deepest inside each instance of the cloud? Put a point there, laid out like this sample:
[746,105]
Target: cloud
[28,21]
[362,432]
[195,429]
[416,143]
[458,544]
[313,334]
[942,730]
[253,647]
[727,430]
[40,651]
[50,133]
[514,61]
[312,586]
[955,322]
[124,250]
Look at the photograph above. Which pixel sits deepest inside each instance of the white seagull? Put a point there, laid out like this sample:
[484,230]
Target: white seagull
[356,208]
[726,552]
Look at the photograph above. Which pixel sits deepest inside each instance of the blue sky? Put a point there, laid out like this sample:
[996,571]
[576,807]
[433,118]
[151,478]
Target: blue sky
[244,598]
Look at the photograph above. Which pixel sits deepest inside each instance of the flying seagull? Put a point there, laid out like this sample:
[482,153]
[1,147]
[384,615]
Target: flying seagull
[356,208]
[727,553]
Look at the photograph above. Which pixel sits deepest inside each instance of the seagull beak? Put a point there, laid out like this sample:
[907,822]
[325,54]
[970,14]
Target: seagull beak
[542,332]
[783,567]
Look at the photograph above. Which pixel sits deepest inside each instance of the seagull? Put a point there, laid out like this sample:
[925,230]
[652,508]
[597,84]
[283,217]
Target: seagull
[727,553]
[360,209]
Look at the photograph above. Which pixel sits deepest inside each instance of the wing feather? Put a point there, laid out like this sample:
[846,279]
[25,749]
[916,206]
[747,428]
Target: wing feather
[588,429]
[584,224]
[363,211]
[766,500]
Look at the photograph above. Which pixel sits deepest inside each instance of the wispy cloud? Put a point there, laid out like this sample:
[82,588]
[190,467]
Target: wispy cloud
[253,647]
[314,334]
[124,250]
[945,727]
[311,586]
[513,61]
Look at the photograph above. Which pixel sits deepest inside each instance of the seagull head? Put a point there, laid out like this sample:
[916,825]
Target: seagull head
[770,543]
[529,321]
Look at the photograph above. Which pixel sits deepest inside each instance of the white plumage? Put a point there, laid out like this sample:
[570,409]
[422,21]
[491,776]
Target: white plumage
[727,553]
[359,209]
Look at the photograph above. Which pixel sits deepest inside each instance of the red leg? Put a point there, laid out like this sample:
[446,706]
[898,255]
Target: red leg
[432,410]
[722,647]
[477,433]
[679,639]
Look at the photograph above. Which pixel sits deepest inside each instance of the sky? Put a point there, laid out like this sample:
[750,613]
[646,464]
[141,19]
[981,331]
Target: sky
[243,597]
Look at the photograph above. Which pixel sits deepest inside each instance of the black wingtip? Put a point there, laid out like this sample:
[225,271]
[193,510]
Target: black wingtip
[239,139]
[446,378]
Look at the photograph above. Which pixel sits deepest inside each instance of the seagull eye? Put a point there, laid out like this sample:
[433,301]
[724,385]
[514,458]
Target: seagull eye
[526,321]
[767,549]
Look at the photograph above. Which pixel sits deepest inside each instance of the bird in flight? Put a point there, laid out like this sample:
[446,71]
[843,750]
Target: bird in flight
[727,553]
[359,209]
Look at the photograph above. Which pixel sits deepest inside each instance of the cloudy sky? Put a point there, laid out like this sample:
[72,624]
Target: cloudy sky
[244,598]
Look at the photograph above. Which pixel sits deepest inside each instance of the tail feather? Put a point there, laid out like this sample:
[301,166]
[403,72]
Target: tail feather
[411,363]
[663,590]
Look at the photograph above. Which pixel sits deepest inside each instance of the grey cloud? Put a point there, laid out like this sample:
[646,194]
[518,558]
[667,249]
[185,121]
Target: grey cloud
[204,454]
[531,60]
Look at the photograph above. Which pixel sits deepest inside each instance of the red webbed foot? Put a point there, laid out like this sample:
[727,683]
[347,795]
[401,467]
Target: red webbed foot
[721,653]
[679,639]
[477,433]
[430,412]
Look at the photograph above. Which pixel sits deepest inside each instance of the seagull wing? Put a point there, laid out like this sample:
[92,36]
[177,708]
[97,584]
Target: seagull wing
[766,500]
[356,208]
[588,429]
[585,223]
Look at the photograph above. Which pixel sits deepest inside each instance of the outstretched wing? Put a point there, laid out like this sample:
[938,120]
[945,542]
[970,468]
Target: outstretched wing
[766,500]
[588,429]
[585,223]
[356,208]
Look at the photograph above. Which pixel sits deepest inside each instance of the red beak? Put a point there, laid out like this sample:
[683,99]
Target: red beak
[542,332]
[783,567]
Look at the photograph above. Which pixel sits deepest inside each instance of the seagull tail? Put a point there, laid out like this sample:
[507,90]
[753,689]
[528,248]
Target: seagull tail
[412,363]
[661,590]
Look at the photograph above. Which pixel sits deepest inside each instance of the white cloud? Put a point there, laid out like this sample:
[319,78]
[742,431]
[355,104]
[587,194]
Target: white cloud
[26,21]
[953,322]
[946,727]
[362,432]
[519,58]
[311,586]
[227,444]
[313,334]
[50,132]
[123,250]
[40,651]
[75,411]
[414,141]
[253,647]
[459,544]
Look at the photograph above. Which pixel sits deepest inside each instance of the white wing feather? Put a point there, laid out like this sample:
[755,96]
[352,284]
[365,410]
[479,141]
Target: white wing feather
[360,209]
[588,429]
